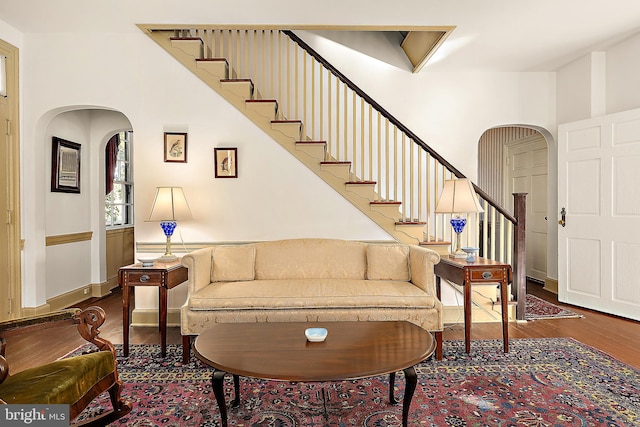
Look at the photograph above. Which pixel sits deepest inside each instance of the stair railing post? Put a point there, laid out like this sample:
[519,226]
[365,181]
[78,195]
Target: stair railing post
[520,253]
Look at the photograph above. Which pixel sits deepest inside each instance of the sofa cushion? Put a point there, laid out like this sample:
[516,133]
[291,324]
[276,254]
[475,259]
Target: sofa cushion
[310,294]
[388,262]
[233,263]
[311,259]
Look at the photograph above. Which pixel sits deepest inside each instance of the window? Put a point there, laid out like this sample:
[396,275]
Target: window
[119,201]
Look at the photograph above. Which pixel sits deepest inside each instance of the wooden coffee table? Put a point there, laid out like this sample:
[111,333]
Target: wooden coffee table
[280,351]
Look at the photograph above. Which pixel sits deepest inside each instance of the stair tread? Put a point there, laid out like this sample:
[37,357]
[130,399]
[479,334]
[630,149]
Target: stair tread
[235,80]
[361,182]
[262,100]
[286,121]
[335,163]
[211,59]
[410,222]
[387,202]
[311,142]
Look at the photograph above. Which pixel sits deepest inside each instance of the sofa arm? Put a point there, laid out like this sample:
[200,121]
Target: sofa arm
[421,262]
[199,264]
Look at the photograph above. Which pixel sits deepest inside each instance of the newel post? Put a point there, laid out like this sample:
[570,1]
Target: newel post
[520,253]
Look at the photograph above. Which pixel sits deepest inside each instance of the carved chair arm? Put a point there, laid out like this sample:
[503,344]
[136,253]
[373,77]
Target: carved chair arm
[88,321]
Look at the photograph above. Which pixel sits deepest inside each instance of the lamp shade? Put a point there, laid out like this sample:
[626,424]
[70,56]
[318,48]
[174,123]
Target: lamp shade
[170,204]
[458,196]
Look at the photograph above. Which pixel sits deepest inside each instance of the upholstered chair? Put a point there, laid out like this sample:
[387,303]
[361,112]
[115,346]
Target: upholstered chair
[74,381]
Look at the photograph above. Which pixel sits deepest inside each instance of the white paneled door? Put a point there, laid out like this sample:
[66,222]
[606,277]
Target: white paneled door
[526,166]
[599,189]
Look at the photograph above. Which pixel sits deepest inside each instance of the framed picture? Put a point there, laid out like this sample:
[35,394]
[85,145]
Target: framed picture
[175,147]
[226,160]
[65,166]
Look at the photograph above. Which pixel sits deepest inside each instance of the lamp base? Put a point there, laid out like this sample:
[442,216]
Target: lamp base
[167,258]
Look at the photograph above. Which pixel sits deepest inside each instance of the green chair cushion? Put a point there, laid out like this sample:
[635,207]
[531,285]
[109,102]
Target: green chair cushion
[61,382]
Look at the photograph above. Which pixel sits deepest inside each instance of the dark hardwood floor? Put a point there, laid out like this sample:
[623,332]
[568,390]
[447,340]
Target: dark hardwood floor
[615,336]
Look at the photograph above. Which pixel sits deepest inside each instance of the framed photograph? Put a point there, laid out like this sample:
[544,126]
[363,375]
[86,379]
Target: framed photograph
[226,160]
[65,166]
[175,147]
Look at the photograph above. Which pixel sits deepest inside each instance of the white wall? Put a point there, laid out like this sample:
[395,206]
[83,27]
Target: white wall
[623,76]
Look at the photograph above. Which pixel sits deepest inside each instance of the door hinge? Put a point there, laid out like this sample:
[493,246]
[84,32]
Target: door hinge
[10,305]
[8,127]
[9,217]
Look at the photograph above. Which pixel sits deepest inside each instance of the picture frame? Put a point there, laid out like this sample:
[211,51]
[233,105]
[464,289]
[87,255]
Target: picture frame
[175,147]
[226,162]
[65,166]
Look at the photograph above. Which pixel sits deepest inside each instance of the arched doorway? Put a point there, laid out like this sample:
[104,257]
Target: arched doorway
[515,159]
[69,228]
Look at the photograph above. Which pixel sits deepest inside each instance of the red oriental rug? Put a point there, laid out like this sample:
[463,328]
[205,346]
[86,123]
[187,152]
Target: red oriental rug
[537,308]
[541,382]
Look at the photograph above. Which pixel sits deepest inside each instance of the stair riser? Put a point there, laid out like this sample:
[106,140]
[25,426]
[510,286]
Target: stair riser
[291,131]
[389,211]
[316,151]
[266,110]
[342,171]
[190,47]
[240,89]
[218,69]
[415,231]
[363,190]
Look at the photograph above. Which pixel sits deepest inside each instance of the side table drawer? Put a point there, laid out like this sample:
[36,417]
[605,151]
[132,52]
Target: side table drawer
[143,278]
[488,274]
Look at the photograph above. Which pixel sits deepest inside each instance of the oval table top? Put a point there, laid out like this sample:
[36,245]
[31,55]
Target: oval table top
[280,350]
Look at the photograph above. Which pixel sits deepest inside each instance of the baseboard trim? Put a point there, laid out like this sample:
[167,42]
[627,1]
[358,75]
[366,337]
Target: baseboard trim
[70,298]
[99,290]
[149,317]
[36,311]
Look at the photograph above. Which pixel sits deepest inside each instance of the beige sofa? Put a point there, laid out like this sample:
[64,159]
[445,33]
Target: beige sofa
[310,280]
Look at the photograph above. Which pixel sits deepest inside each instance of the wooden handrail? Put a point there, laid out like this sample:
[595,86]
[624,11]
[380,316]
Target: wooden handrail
[395,121]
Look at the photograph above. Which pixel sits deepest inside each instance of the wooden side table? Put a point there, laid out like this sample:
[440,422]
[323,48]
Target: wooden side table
[483,270]
[162,275]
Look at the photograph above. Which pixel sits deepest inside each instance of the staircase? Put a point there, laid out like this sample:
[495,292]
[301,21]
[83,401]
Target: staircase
[337,131]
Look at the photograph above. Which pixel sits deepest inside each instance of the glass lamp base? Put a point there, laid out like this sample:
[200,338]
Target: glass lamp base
[167,258]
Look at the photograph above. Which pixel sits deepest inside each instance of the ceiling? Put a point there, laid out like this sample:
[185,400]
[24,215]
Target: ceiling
[489,35]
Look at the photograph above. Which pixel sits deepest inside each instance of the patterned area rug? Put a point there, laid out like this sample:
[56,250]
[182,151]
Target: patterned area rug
[541,382]
[537,308]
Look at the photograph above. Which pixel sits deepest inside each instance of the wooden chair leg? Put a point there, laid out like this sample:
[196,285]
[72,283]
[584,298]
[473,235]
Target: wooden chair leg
[186,348]
[120,407]
[438,345]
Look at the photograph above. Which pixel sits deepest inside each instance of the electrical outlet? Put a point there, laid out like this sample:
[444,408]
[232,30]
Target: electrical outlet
[86,291]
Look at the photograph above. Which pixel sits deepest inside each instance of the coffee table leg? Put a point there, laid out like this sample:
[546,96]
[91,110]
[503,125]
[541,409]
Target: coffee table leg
[236,384]
[392,386]
[217,381]
[409,388]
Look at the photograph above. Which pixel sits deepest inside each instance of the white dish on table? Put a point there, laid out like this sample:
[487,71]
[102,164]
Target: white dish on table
[316,334]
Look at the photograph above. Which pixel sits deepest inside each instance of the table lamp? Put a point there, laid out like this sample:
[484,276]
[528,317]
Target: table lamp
[458,197]
[169,206]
